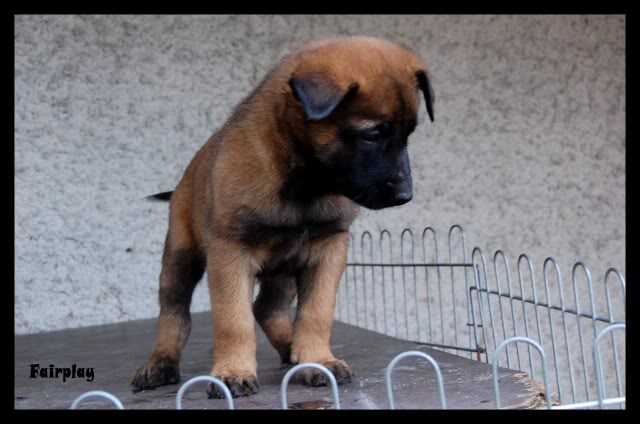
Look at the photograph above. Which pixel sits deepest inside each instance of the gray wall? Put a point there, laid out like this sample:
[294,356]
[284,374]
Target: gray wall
[527,152]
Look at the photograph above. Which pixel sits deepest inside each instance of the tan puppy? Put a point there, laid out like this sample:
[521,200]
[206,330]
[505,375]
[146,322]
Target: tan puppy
[271,196]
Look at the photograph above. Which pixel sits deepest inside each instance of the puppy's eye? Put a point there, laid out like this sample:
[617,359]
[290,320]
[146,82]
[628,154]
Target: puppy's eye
[370,137]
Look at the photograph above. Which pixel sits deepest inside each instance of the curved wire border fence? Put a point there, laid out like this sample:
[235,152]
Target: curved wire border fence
[600,403]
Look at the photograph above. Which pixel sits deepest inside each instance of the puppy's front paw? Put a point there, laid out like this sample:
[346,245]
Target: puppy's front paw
[238,386]
[339,368]
[157,372]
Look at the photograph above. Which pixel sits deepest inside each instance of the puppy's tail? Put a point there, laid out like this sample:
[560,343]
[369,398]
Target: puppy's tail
[163,197]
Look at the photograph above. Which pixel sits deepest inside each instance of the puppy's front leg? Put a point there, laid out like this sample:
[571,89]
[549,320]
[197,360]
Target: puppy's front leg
[231,272]
[317,288]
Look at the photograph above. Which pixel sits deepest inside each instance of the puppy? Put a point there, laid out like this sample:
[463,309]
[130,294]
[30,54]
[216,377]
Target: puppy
[271,197]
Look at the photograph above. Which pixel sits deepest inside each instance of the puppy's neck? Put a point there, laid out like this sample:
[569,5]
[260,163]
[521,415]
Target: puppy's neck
[304,184]
[305,179]
[279,145]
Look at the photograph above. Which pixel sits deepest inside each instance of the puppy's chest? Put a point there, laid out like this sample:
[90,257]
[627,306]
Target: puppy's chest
[287,247]
[285,239]
[287,235]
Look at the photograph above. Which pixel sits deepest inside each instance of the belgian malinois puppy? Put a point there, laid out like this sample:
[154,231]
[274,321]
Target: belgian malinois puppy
[271,196]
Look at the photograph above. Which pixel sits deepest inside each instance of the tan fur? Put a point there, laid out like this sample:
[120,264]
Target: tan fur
[245,164]
[231,273]
[275,320]
[312,328]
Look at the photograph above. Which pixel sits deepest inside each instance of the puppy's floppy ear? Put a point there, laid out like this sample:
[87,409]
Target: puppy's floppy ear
[427,89]
[318,94]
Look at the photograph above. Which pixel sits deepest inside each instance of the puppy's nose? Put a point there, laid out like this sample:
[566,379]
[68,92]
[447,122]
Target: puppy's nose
[402,191]
[404,196]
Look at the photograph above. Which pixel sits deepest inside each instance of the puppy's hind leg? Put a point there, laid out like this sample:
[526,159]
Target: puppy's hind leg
[272,311]
[182,267]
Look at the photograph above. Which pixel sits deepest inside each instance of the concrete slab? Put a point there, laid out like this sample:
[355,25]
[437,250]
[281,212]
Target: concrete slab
[114,351]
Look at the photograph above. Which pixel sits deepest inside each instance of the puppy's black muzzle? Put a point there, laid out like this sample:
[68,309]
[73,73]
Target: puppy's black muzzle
[399,186]
[397,191]
[401,192]
[393,192]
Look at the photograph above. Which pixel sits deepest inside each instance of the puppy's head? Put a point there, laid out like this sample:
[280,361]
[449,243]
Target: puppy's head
[357,101]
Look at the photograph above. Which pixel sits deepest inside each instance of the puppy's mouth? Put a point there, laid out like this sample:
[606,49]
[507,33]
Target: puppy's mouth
[376,199]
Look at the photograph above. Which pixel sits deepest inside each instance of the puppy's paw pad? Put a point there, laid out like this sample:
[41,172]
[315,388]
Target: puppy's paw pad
[238,386]
[156,373]
[340,370]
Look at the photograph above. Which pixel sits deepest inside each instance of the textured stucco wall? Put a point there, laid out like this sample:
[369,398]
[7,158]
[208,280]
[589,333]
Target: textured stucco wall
[527,152]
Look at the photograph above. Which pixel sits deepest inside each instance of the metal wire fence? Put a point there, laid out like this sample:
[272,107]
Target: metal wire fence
[457,302]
